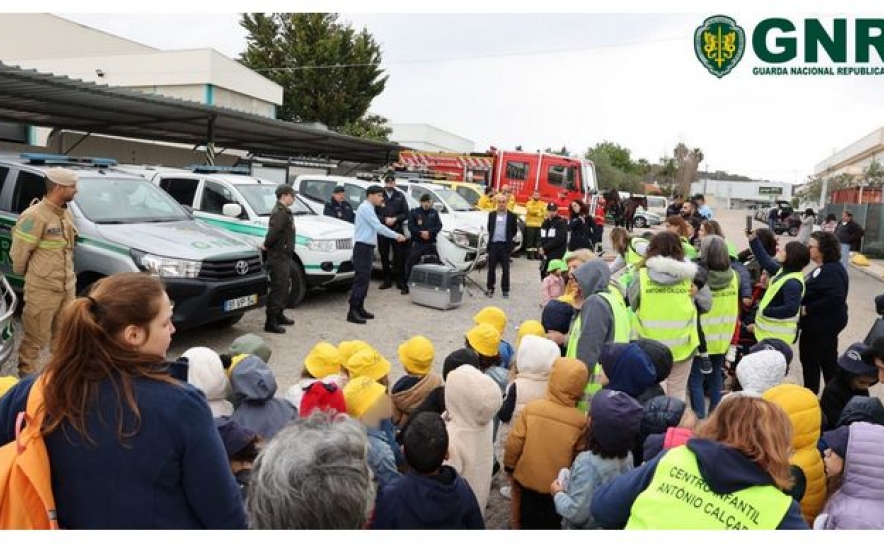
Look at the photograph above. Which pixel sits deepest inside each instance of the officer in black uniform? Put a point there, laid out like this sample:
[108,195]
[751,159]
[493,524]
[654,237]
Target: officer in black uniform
[424,224]
[339,208]
[393,213]
[280,246]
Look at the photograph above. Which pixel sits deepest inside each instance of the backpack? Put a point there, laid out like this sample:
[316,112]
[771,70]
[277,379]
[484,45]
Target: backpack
[26,499]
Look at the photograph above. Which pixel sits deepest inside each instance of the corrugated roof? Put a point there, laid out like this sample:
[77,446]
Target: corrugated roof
[36,98]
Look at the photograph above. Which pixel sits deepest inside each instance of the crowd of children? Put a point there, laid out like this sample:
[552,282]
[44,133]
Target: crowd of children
[596,418]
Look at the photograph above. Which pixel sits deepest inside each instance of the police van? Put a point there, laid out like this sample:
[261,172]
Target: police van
[229,198]
[127,224]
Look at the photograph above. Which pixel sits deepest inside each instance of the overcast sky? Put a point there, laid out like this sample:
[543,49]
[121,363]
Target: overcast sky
[547,80]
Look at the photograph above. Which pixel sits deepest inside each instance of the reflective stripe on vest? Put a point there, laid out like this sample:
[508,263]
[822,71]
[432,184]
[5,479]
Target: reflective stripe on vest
[667,313]
[718,324]
[782,329]
[679,498]
[622,331]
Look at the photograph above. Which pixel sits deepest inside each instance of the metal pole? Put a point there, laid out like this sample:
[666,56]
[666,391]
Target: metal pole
[210,141]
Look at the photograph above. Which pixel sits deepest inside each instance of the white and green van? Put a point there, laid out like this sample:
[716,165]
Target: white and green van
[230,199]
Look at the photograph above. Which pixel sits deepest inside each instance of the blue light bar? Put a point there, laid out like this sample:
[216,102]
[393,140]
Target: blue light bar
[213,169]
[47,158]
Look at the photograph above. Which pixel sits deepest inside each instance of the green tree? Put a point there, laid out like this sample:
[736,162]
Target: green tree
[329,72]
[609,169]
[370,127]
[619,156]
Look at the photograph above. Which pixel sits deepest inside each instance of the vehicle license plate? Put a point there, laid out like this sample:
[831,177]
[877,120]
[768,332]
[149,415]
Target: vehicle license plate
[240,303]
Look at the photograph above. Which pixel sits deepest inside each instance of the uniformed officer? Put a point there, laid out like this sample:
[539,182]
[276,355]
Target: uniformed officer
[339,208]
[393,213]
[42,251]
[424,225]
[280,246]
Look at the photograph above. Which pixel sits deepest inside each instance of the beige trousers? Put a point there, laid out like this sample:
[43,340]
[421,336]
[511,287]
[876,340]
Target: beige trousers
[676,385]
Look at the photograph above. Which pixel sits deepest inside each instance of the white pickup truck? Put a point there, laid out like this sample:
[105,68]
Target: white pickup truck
[461,242]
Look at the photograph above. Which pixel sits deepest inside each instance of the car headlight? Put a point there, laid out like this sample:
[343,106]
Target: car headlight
[459,238]
[322,245]
[165,267]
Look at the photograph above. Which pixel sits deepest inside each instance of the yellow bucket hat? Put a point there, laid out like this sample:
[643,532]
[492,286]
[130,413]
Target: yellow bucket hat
[416,355]
[493,316]
[323,360]
[485,339]
[530,327]
[361,394]
[368,362]
[348,347]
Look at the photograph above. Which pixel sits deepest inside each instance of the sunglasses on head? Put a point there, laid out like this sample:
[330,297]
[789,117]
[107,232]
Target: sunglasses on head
[329,387]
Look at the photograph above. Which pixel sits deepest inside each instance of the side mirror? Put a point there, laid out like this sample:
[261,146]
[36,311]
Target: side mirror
[231,210]
[439,207]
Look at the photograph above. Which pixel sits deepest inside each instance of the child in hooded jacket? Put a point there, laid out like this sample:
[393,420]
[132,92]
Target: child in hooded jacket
[472,399]
[612,429]
[205,371]
[546,437]
[853,465]
[416,355]
[535,359]
[254,388]
[431,495]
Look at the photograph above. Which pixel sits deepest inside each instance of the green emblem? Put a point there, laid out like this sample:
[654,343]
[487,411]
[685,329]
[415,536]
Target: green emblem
[27,225]
[719,44]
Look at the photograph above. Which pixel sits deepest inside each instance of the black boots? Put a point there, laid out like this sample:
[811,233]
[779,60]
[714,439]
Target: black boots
[283,320]
[354,316]
[365,313]
[272,325]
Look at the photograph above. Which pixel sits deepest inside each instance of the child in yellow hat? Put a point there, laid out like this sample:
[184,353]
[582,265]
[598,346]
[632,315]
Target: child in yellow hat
[484,340]
[367,401]
[323,363]
[416,355]
[494,316]
[369,362]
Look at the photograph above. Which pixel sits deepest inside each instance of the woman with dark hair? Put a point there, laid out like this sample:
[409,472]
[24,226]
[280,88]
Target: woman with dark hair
[678,226]
[735,471]
[666,301]
[830,224]
[130,446]
[580,226]
[780,307]
[823,310]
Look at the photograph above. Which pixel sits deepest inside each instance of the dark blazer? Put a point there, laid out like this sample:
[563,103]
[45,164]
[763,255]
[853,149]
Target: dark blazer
[339,210]
[512,226]
[825,298]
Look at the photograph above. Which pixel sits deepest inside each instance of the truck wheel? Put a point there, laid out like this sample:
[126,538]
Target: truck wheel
[641,222]
[298,288]
[228,321]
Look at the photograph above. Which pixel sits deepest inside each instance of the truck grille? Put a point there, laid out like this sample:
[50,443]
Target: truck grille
[231,268]
[344,243]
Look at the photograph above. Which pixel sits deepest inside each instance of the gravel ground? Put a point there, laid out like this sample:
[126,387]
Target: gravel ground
[322,317]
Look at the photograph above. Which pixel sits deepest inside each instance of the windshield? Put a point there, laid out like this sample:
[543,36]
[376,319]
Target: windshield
[454,200]
[262,199]
[121,201]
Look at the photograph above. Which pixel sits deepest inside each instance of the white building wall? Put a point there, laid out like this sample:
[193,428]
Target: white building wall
[41,35]
[426,137]
[723,191]
[859,154]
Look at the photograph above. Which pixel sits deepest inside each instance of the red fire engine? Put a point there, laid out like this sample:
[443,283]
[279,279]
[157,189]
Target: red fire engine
[558,179]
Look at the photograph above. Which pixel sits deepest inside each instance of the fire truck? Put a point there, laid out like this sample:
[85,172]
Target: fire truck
[558,179]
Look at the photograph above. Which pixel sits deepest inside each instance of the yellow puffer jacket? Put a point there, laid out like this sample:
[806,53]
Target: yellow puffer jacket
[804,412]
[535,212]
